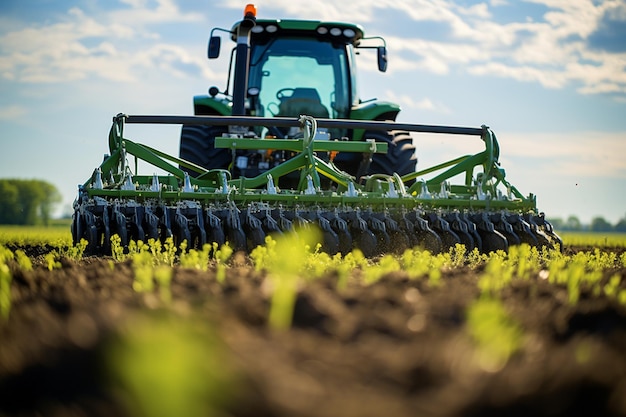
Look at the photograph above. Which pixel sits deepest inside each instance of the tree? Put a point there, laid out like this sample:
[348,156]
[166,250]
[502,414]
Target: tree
[599,224]
[9,207]
[27,201]
[557,223]
[51,198]
[572,223]
[620,226]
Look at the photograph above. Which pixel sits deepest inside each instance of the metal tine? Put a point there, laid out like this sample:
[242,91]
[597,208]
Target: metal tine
[151,223]
[180,228]
[84,223]
[215,230]
[448,238]
[547,228]
[330,242]
[195,224]
[407,226]
[426,237]
[254,229]
[379,229]
[522,229]
[232,225]
[296,218]
[399,239]
[340,227]
[459,227]
[362,236]
[542,238]
[472,230]
[134,220]
[492,240]
[284,223]
[118,224]
[165,223]
[270,225]
[504,227]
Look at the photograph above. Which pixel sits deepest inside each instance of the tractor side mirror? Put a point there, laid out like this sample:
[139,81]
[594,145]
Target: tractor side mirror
[214,47]
[382,58]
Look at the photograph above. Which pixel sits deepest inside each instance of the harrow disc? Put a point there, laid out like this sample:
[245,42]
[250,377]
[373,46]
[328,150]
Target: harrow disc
[342,228]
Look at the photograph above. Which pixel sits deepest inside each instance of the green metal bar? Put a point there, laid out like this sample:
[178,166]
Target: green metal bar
[291,165]
[333,173]
[294,122]
[297,145]
[147,155]
[180,162]
[464,166]
[415,175]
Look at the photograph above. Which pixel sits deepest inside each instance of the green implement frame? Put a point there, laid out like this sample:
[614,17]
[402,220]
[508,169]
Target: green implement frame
[115,179]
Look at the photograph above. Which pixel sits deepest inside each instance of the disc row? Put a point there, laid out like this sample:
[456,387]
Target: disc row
[374,233]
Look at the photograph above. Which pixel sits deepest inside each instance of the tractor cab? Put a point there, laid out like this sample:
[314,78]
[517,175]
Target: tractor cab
[295,67]
[301,71]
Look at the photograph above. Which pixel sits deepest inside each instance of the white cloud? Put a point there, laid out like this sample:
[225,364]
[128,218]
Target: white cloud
[552,51]
[547,77]
[12,112]
[582,154]
[420,104]
[141,14]
[108,47]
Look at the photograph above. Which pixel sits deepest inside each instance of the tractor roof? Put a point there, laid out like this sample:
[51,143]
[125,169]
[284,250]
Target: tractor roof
[337,31]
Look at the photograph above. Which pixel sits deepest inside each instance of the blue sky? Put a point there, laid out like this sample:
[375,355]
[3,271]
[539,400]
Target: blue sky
[548,76]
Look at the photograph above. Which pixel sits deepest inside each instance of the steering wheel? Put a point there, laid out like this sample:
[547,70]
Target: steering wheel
[280,94]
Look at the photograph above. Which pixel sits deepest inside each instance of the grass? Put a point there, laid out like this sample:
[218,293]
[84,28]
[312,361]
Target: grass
[606,240]
[57,234]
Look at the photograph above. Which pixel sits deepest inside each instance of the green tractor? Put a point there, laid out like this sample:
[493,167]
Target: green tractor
[288,68]
[291,146]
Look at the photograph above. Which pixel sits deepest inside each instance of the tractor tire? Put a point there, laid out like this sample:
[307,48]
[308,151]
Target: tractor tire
[197,145]
[400,156]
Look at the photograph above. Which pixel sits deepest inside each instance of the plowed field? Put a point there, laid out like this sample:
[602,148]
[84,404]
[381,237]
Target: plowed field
[80,341]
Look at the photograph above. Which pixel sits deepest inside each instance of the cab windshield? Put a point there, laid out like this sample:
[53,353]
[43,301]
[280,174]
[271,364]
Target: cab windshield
[300,75]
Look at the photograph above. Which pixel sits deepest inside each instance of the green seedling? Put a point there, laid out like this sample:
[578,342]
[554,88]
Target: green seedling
[496,334]
[5,290]
[52,261]
[23,261]
[163,365]
[285,261]
[222,255]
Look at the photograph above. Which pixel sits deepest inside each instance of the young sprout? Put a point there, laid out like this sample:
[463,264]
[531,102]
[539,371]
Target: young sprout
[222,255]
[285,261]
[496,334]
[5,290]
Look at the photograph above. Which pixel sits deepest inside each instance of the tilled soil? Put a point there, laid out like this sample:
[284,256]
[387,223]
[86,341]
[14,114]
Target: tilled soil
[397,347]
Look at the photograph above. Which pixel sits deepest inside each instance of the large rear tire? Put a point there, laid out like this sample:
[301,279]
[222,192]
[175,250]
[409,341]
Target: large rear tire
[400,156]
[197,145]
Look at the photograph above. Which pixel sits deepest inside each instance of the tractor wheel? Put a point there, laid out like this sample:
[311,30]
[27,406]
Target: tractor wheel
[399,158]
[197,145]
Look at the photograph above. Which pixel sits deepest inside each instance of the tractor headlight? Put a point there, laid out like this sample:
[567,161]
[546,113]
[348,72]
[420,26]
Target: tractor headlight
[349,33]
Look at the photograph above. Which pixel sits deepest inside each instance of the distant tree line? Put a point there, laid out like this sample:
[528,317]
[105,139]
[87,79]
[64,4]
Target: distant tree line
[598,224]
[27,202]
